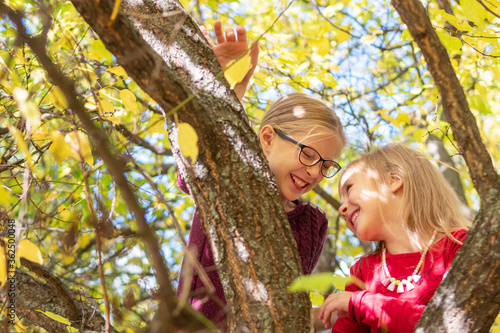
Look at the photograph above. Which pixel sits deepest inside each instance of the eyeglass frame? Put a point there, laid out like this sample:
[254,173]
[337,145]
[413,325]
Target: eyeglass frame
[302,146]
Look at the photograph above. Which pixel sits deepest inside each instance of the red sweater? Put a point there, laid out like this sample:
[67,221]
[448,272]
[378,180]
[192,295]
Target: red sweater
[375,307]
[309,226]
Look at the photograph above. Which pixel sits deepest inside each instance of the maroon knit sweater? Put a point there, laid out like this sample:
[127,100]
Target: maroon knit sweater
[309,227]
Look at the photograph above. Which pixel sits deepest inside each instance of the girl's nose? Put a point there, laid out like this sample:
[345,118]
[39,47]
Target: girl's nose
[343,210]
[315,170]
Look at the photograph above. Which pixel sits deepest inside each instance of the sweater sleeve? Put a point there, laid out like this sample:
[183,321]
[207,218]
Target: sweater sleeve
[323,230]
[348,324]
[181,183]
[380,311]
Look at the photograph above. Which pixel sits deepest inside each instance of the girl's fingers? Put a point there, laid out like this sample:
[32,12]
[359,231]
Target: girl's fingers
[230,36]
[241,33]
[219,33]
[207,36]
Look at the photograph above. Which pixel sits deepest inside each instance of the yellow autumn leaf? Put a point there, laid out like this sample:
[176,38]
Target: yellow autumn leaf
[129,100]
[57,98]
[5,196]
[321,46]
[21,144]
[29,251]
[67,259]
[3,267]
[29,109]
[59,149]
[118,70]
[100,51]
[237,69]
[56,317]
[40,136]
[474,11]
[18,326]
[80,144]
[106,107]
[188,141]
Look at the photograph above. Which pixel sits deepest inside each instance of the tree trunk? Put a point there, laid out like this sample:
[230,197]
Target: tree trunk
[230,180]
[468,300]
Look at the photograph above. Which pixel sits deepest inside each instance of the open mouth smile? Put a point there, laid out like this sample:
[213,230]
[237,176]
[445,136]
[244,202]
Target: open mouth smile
[354,217]
[298,182]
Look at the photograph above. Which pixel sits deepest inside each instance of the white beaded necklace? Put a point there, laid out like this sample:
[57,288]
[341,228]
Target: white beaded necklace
[391,283]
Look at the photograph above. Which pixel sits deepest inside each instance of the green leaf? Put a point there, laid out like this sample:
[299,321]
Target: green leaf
[321,282]
[316,298]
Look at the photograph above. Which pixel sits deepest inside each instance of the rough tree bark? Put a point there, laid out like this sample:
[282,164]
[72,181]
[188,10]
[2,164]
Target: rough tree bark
[166,54]
[468,300]
[34,295]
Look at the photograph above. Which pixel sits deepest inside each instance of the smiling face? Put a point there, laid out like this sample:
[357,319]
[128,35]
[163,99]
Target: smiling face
[371,212]
[292,177]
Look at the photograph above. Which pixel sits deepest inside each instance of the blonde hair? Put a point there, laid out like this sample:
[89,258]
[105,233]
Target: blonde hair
[430,203]
[299,112]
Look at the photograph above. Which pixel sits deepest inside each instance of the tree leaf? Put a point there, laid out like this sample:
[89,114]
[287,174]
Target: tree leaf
[118,70]
[57,98]
[29,251]
[129,100]
[59,149]
[29,110]
[100,50]
[3,266]
[80,144]
[316,298]
[237,70]
[188,141]
[321,282]
[21,144]
[451,43]
[474,11]
[106,106]
[56,317]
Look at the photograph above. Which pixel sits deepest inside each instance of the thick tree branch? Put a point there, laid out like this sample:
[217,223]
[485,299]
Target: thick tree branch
[327,197]
[32,295]
[455,107]
[464,302]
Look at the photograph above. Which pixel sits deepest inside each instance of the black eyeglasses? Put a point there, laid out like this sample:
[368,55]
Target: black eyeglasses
[309,157]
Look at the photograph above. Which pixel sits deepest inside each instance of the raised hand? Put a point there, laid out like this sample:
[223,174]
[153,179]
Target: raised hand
[231,46]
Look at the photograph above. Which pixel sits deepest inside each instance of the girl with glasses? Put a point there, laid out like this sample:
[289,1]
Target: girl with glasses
[301,137]
[397,197]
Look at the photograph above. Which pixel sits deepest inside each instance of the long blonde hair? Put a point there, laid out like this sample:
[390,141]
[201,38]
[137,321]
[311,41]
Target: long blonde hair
[430,203]
[298,112]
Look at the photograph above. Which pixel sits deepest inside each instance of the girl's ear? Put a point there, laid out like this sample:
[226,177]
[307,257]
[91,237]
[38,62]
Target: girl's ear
[396,182]
[267,136]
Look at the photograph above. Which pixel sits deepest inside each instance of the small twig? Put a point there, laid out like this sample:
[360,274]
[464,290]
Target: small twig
[98,242]
[445,133]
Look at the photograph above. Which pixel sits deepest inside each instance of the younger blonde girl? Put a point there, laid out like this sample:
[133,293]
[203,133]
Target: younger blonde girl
[395,196]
